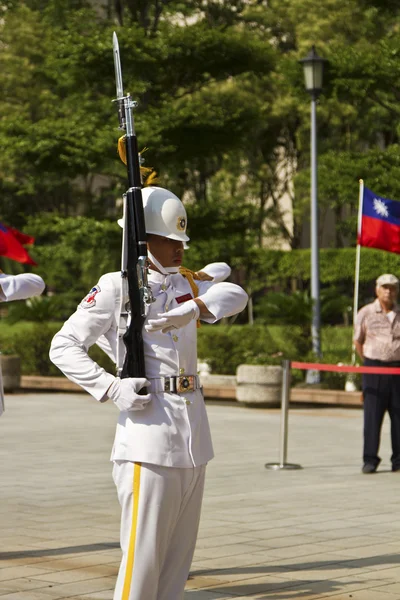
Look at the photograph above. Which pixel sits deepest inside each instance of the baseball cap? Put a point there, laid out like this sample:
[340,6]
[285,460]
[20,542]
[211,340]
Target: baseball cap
[387,279]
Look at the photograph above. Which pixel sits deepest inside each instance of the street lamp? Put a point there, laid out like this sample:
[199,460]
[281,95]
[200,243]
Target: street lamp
[313,66]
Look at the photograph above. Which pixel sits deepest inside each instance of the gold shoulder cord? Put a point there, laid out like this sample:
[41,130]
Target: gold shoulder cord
[190,277]
[149,176]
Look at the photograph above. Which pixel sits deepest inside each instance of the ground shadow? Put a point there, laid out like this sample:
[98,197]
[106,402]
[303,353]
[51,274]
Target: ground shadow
[286,589]
[58,551]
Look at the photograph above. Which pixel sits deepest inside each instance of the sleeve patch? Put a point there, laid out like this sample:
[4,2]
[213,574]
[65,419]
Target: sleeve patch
[90,299]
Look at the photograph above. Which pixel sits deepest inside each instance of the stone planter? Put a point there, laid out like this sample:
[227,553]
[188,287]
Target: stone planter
[259,385]
[11,372]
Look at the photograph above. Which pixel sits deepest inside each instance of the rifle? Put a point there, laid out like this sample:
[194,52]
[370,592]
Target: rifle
[134,262]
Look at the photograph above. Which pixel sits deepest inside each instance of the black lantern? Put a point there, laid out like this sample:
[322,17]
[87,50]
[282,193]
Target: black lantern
[313,66]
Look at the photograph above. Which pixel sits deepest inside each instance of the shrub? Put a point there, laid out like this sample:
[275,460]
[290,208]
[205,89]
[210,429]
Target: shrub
[225,347]
[31,341]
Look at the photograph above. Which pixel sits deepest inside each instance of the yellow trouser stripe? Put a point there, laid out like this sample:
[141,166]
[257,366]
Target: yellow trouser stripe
[132,540]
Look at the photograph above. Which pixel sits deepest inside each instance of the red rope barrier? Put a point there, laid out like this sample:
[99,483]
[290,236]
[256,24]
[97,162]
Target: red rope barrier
[345,368]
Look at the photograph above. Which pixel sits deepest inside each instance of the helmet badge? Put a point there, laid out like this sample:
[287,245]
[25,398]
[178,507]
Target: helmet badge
[181,224]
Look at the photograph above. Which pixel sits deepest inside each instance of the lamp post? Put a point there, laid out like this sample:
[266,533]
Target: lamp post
[313,66]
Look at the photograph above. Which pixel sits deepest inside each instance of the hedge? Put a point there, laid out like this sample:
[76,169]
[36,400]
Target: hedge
[224,347]
[31,341]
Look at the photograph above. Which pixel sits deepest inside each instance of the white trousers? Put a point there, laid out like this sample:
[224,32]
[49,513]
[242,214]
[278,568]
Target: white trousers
[159,523]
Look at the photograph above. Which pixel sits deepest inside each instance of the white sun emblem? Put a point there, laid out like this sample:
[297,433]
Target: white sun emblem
[380,207]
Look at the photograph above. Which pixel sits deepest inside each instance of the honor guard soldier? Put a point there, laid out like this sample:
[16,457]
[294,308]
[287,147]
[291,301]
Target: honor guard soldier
[162,443]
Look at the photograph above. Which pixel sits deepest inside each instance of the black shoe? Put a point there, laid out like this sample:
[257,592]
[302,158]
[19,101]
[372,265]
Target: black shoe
[395,469]
[368,468]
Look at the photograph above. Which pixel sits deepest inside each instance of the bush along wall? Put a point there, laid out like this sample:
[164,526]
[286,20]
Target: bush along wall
[32,344]
[224,347]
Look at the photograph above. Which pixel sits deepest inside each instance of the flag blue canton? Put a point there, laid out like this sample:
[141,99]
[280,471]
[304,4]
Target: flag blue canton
[379,207]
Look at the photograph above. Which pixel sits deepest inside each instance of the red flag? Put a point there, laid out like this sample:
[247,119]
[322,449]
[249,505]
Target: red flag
[380,223]
[11,241]
[21,237]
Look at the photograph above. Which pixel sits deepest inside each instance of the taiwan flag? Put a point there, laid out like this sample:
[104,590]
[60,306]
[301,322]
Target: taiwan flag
[380,223]
[11,241]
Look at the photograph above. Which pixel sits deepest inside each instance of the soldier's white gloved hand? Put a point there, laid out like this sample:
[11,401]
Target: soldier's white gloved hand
[176,318]
[124,393]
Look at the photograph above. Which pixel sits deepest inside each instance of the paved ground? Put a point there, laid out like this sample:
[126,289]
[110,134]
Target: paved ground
[325,531]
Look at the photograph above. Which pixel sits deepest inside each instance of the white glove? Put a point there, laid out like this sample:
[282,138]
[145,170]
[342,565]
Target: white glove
[124,393]
[174,319]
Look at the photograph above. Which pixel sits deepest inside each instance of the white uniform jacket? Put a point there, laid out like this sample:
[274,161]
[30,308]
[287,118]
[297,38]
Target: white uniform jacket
[20,287]
[172,430]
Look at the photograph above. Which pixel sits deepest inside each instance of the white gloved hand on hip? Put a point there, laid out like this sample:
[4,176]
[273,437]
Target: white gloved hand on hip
[174,319]
[124,393]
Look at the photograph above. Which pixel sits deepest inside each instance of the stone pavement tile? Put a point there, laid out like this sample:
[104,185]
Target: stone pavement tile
[202,595]
[300,550]
[42,594]
[222,540]
[374,594]
[226,550]
[23,585]
[356,582]
[65,590]
[230,562]
[334,525]
[279,532]
[325,503]
[239,573]
[67,576]
[206,532]
[376,563]
[37,557]
[295,540]
[331,571]
[75,562]
[106,595]
[274,587]
[10,573]
[351,542]
[391,588]
[366,551]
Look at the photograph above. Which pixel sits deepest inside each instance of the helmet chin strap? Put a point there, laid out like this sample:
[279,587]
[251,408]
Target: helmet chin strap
[163,270]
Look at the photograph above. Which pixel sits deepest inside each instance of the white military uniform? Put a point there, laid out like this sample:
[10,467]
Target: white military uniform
[159,452]
[18,287]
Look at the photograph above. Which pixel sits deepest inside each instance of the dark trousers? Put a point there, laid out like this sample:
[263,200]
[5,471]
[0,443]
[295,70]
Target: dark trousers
[381,393]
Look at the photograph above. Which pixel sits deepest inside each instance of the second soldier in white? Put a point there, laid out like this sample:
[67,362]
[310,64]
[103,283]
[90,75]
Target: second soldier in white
[162,442]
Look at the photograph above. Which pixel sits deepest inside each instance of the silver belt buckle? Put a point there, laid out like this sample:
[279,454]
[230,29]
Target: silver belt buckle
[185,383]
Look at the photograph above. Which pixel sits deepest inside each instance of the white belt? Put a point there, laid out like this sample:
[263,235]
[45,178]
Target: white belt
[177,384]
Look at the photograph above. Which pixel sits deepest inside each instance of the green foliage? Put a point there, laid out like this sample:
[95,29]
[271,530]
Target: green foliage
[226,347]
[31,341]
[73,252]
[223,110]
[41,309]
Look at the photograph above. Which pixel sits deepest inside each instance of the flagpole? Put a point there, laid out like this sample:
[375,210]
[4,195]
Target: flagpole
[357,269]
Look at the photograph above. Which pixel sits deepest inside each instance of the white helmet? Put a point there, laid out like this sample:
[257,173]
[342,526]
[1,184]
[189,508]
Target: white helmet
[164,214]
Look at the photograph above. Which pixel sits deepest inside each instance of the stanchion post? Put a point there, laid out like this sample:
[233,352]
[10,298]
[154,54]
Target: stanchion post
[285,398]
